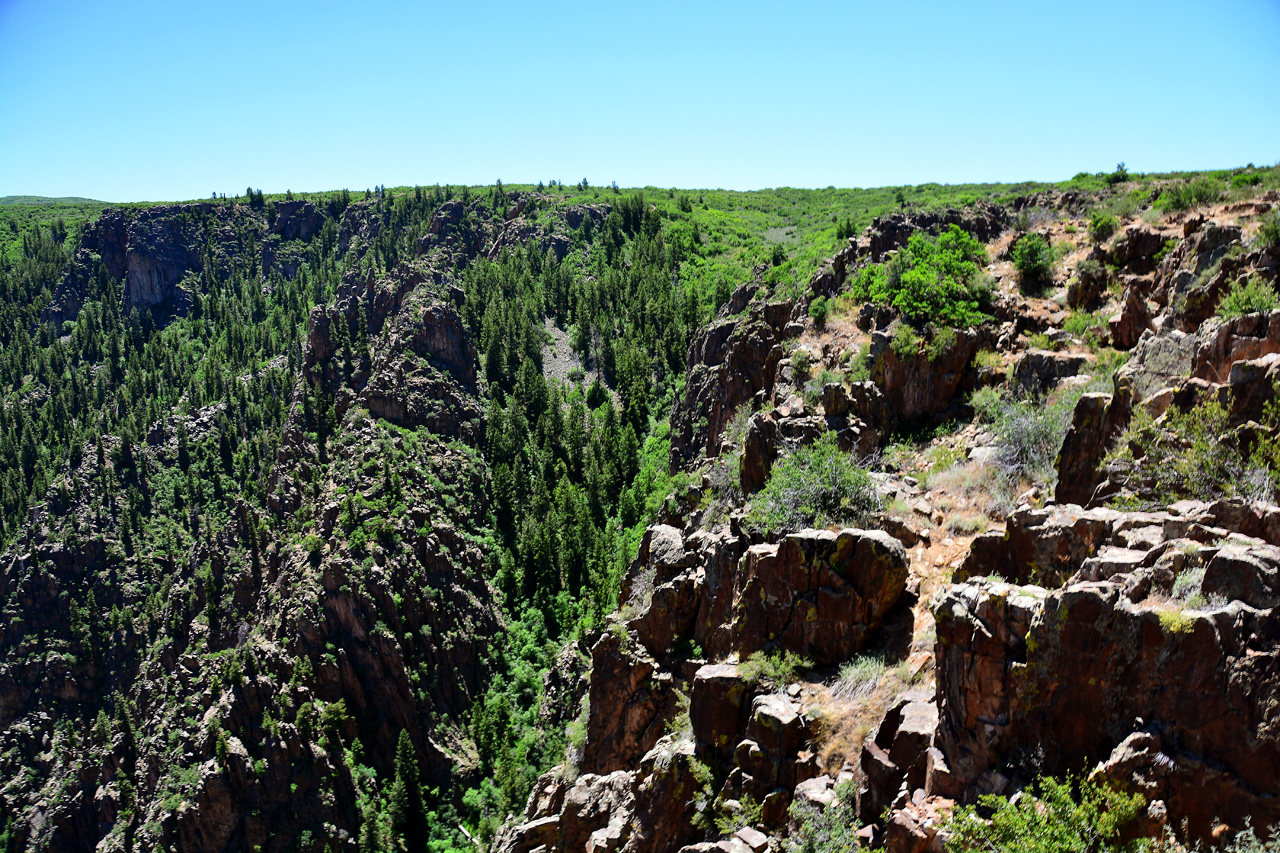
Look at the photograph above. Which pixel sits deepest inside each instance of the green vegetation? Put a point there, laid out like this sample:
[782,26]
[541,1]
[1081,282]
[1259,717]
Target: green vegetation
[1087,326]
[1191,193]
[816,486]
[1249,297]
[830,830]
[218,501]
[1102,225]
[1033,260]
[1069,816]
[777,668]
[1269,231]
[930,280]
[1197,454]
[818,311]
[859,677]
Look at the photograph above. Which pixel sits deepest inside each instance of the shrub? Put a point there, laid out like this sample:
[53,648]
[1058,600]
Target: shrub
[905,343]
[1169,246]
[1087,326]
[860,364]
[1174,621]
[1187,194]
[1054,819]
[1251,297]
[1269,231]
[988,359]
[800,362]
[819,308]
[930,280]
[968,525]
[1245,179]
[1033,259]
[1102,225]
[1195,454]
[1120,175]
[1028,435]
[815,486]
[777,668]
[859,677]
[1187,583]
[943,340]
[747,813]
[830,830]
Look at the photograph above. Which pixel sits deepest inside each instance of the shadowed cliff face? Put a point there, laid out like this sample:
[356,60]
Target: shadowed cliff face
[243,686]
[279,651]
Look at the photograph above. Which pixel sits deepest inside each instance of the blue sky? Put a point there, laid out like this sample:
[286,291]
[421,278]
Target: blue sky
[130,101]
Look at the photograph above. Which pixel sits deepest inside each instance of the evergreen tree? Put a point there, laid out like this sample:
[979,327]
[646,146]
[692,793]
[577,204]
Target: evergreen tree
[404,801]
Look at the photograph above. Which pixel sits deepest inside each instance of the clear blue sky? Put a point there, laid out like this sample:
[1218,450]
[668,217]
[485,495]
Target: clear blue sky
[129,100]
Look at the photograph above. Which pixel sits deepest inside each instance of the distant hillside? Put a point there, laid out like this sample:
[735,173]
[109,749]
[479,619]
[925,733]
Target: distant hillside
[45,201]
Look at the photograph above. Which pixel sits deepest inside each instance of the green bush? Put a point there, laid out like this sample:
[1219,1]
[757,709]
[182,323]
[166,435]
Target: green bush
[1087,326]
[819,308]
[942,341]
[777,668]
[1188,194]
[1033,259]
[1055,819]
[1120,175]
[930,280]
[1195,454]
[800,363]
[905,343]
[830,830]
[816,486]
[1269,231]
[1102,225]
[1251,297]
[1169,246]
[860,364]
[859,677]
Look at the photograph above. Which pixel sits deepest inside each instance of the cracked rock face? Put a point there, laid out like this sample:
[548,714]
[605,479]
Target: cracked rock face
[1179,702]
[819,593]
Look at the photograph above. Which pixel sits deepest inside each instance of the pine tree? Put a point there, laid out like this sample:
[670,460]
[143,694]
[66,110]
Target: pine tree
[405,807]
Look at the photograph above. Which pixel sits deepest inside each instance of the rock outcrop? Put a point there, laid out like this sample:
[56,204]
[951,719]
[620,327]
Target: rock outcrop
[1049,680]
[729,363]
[816,593]
[925,383]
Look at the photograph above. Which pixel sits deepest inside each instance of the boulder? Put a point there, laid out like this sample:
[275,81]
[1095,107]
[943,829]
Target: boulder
[729,362]
[1219,344]
[670,614]
[895,754]
[1133,319]
[981,630]
[716,707]
[759,450]
[1135,250]
[776,733]
[1095,424]
[1041,546]
[1038,371]
[819,593]
[1158,361]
